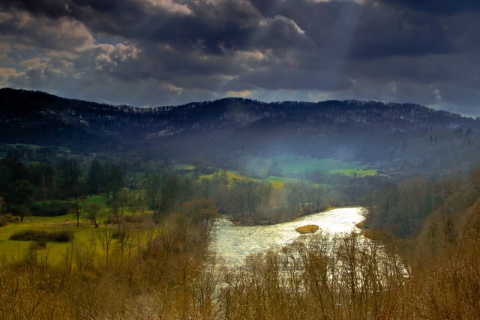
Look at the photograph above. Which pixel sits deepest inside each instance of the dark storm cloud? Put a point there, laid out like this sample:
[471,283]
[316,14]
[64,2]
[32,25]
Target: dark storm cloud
[385,32]
[211,25]
[379,28]
[446,7]
[124,18]
[74,8]
[49,8]
[159,51]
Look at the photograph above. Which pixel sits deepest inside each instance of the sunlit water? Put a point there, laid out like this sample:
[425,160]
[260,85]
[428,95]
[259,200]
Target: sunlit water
[234,243]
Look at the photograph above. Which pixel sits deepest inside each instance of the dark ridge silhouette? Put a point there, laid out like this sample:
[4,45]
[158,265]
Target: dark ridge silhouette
[351,130]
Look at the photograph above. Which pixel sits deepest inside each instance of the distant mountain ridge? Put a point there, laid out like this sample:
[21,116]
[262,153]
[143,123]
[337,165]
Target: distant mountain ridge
[230,111]
[40,118]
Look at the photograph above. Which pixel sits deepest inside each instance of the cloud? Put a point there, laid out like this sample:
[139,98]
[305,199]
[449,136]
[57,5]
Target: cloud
[6,73]
[21,28]
[48,8]
[434,6]
[153,52]
[170,6]
[110,56]
[240,94]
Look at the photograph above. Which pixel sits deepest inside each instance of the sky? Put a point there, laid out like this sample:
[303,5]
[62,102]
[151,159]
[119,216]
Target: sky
[172,52]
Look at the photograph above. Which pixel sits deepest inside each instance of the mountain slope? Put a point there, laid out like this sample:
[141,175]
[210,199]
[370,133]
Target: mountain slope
[21,107]
[365,131]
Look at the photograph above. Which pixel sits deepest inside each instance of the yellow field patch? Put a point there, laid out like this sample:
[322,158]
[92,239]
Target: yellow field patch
[355,172]
[231,176]
[86,239]
[277,185]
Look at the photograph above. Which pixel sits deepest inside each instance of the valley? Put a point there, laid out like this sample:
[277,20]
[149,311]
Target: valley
[239,160]
[190,211]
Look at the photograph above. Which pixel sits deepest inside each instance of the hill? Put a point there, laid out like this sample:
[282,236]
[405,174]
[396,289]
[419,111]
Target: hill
[400,138]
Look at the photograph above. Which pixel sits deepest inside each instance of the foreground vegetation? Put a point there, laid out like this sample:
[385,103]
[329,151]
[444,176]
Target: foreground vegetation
[172,276]
[98,278]
[134,244]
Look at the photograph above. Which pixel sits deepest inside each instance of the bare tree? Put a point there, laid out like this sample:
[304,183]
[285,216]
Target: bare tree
[92,211]
[105,237]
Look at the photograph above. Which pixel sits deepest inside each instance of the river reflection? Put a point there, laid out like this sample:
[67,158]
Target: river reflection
[234,243]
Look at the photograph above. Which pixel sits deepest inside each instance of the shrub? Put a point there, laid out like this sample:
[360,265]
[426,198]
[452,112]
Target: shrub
[119,234]
[43,236]
[39,244]
[62,236]
[50,208]
[134,219]
[6,218]
[114,219]
[375,235]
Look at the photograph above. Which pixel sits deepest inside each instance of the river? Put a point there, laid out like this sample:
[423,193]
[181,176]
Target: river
[234,243]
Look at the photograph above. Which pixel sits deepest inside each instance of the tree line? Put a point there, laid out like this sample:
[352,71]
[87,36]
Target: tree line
[24,186]
[48,188]
[402,208]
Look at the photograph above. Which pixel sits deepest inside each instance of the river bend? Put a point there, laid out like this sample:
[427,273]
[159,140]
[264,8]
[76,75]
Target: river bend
[234,243]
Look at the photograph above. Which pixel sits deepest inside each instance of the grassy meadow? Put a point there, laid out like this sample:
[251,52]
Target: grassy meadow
[85,235]
[292,165]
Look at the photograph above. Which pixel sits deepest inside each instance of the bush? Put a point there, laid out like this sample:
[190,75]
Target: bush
[114,219]
[6,218]
[43,236]
[119,234]
[50,208]
[62,236]
[134,219]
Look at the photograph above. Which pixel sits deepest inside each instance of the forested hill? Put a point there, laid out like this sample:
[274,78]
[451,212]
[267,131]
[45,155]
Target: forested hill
[36,112]
[234,112]
[366,131]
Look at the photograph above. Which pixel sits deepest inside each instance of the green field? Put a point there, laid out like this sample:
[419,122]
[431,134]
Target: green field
[234,176]
[85,235]
[290,165]
[98,199]
[184,167]
[17,250]
[281,169]
[355,172]
[279,182]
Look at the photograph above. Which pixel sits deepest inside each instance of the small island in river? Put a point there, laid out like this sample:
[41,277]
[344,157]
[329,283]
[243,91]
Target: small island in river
[310,228]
